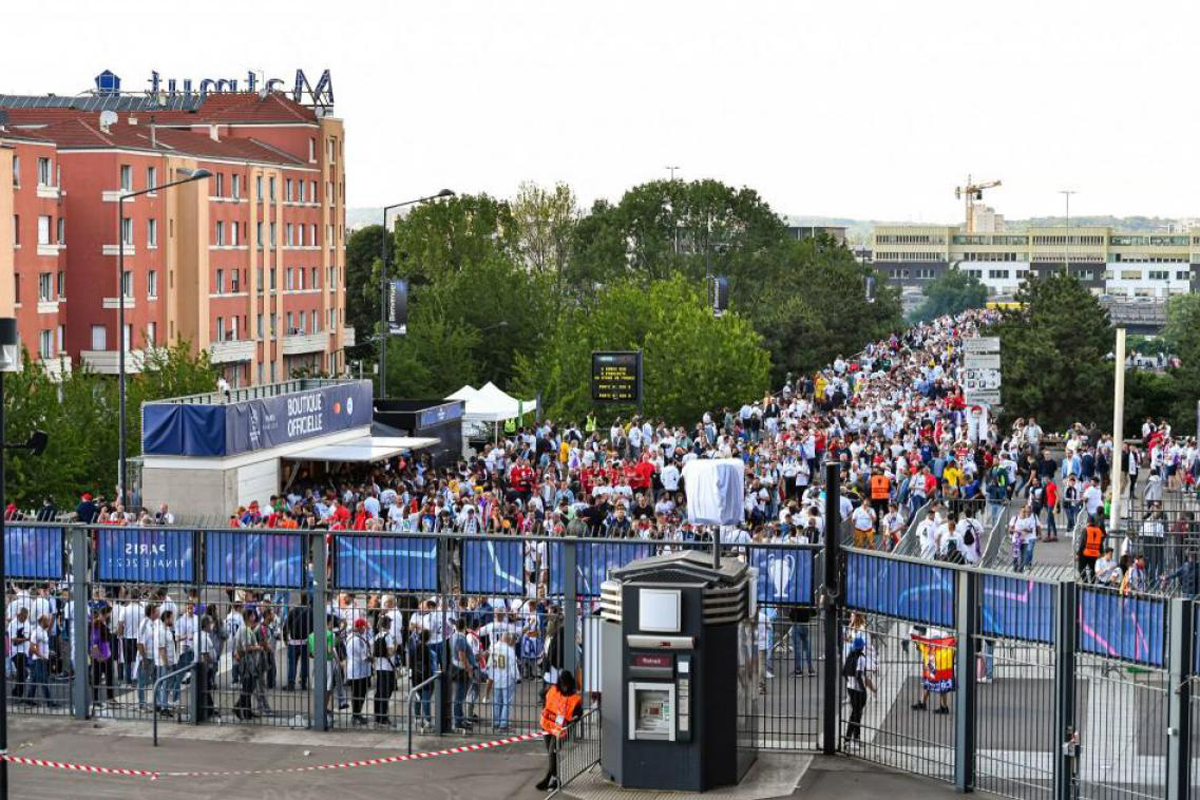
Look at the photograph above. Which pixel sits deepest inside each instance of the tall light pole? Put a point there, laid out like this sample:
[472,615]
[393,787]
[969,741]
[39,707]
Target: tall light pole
[383,284]
[1066,193]
[189,176]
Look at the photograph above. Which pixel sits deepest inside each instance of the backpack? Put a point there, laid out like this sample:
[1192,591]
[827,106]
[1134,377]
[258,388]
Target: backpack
[850,667]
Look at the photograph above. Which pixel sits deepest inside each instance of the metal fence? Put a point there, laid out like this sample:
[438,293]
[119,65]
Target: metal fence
[1015,684]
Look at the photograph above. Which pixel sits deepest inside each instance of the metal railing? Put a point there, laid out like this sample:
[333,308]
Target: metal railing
[171,676]
[412,698]
[578,750]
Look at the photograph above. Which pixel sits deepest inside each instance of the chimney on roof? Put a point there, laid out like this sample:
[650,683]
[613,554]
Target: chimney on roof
[212,133]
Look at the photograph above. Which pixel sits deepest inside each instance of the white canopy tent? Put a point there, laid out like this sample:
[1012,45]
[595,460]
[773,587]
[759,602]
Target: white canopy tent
[491,404]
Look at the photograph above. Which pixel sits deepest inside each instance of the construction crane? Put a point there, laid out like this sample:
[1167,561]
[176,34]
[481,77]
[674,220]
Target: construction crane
[971,193]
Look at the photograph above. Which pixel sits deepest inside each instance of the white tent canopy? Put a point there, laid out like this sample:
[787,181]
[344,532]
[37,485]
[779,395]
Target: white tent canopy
[491,404]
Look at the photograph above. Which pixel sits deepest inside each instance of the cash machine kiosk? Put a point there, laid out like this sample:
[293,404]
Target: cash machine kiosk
[679,705]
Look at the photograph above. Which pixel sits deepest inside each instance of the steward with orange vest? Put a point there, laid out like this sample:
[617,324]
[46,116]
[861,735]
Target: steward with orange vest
[561,707]
[1090,548]
[881,491]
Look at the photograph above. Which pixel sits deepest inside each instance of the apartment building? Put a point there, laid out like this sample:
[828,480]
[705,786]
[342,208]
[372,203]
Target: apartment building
[248,264]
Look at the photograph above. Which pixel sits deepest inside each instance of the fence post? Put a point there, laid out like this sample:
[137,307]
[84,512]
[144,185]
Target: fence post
[965,695]
[199,668]
[833,602]
[79,622]
[1179,699]
[1066,756]
[319,681]
[570,606]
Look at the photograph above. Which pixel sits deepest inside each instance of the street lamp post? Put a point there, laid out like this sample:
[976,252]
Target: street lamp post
[1066,193]
[383,284]
[190,175]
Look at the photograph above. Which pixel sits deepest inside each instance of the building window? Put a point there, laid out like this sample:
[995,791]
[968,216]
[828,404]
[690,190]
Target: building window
[99,337]
[1183,275]
[300,278]
[151,177]
[233,233]
[233,328]
[998,274]
[258,234]
[17,289]
[126,178]
[128,343]
[127,283]
[127,230]
[151,334]
[316,328]
[44,224]
[62,336]
[312,149]
[289,234]
[300,188]
[220,233]
[290,329]
[220,329]
[313,237]
[287,279]
[260,326]
[235,181]
[272,279]
[259,280]
[258,186]
[45,287]
[220,281]
[1131,274]
[220,176]
[152,284]
[1159,275]
[16,172]
[272,187]
[16,230]
[287,189]
[62,230]
[272,325]
[45,343]
[233,281]
[45,176]
[62,285]
[152,233]
[274,239]
[315,275]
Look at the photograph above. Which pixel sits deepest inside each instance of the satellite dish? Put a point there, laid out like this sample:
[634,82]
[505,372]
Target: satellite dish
[107,120]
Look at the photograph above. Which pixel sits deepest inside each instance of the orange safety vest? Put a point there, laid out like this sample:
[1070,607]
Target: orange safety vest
[1094,535]
[559,711]
[879,487]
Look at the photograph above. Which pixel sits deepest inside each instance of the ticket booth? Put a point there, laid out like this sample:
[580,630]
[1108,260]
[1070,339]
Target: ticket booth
[680,702]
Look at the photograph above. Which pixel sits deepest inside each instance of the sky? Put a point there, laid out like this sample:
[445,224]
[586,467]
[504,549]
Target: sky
[873,110]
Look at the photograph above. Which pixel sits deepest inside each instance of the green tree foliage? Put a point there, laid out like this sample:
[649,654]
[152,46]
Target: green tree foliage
[1182,335]
[439,238]
[953,292]
[80,416]
[692,360]
[1053,353]
[363,288]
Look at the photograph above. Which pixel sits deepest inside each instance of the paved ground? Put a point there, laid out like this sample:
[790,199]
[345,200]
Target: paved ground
[502,774]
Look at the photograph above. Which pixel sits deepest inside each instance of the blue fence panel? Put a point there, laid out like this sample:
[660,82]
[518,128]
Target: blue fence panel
[1015,608]
[33,552]
[1129,628]
[917,592]
[145,555]
[492,567]
[785,575]
[594,561]
[404,563]
[255,559]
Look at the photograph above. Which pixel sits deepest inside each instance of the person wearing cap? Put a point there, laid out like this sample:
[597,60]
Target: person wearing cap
[86,512]
[858,682]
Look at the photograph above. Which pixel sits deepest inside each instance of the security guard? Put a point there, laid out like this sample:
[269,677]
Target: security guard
[589,426]
[562,706]
[881,490]
[1090,549]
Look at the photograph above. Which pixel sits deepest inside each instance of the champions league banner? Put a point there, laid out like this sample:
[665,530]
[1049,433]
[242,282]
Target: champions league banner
[916,592]
[1014,608]
[785,575]
[252,559]
[226,429]
[33,553]
[1122,627]
[493,568]
[593,562]
[386,563]
[143,555]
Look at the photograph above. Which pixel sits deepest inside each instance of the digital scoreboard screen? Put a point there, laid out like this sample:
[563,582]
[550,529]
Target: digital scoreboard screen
[615,377]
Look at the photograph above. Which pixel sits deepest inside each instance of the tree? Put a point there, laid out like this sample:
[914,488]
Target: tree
[435,357]
[1053,353]
[438,238]
[1182,334]
[363,287]
[692,360]
[545,227]
[953,292]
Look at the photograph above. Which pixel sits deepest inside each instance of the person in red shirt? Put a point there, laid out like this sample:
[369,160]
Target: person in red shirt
[1051,497]
[590,477]
[642,475]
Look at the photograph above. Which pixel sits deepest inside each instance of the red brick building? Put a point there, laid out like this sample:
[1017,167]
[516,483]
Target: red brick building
[248,264]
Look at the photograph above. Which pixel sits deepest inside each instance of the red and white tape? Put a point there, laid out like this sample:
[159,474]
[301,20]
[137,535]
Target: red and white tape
[368,762]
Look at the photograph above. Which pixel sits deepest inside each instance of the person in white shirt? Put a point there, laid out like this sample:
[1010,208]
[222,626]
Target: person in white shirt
[864,525]
[39,661]
[358,668]
[927,536]
[163,637]
[383,652]
[20,631]
[670,477]
[503,672]
[145,651]
[1092,498]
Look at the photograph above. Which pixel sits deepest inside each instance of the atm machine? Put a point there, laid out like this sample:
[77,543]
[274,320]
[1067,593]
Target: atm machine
[679,708]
